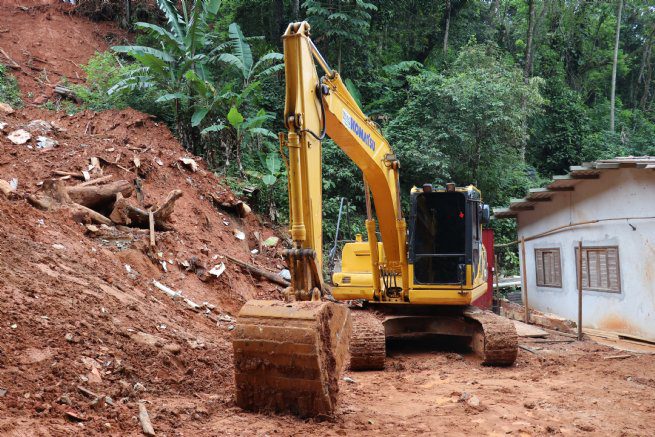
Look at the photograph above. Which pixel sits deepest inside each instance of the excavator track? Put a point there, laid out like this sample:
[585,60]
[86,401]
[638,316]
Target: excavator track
[288,356]
[367,342]
[495,340]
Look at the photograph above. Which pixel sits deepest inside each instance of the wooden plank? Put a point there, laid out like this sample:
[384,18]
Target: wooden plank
[525,330]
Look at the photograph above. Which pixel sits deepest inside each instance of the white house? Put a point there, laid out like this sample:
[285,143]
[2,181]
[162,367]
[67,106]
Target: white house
[609,205]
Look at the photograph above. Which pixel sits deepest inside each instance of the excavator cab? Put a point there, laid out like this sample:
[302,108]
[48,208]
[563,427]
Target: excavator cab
[445,234]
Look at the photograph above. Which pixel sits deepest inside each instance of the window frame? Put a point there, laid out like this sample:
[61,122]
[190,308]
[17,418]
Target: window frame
[542,250]
[586,250]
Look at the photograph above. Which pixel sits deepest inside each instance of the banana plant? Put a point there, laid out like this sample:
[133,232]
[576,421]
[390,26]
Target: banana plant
[249,132]
[179,66]
[240,57]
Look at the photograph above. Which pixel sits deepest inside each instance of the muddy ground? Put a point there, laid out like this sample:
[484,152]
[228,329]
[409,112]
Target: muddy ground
[84,339]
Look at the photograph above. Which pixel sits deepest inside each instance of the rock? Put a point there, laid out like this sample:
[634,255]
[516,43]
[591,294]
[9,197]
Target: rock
[69,338]
[3,125]
[19,137]
[38,126]
[40,100]
[173,348]
[139,387]
[271,241]
[529,405]
[226,318]
[94,376]
[3,392]
[243,209]
[239,234]
[45,143]
[217,270]
[191,163]
[349,379]
[586,427]
[70,415]
[473,401]
[109,400]
[285,274]
[5,108]
[58,246]
[65,399]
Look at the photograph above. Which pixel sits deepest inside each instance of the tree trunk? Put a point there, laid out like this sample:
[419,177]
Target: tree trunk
[527,72]
[446,29]
[279,17]
[616,58]
[295,9]
[99,196]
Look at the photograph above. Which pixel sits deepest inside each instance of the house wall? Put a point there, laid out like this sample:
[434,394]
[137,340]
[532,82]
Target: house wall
[618,193]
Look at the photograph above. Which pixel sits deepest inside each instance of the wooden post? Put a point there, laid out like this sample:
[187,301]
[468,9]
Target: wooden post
[579,290]
[151,223]
[524,277]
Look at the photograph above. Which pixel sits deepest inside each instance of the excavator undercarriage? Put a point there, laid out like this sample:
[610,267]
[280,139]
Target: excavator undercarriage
[491,337]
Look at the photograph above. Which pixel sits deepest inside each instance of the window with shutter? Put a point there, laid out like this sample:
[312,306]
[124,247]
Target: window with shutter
[548,268]
[600,269]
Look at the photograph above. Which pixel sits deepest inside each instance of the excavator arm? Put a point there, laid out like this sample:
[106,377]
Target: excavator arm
[314,108]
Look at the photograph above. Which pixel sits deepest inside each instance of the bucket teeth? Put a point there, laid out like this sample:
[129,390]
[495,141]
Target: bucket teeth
[288,356]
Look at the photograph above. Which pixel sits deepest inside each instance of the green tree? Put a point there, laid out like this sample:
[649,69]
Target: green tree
[179,66]
[469,124]
[342,23]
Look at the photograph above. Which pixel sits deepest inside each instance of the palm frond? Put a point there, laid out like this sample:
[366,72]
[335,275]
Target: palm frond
[271,70]
[241,49]
[268,57]
[230,59]
[132,50]
[160,31]
[172,17]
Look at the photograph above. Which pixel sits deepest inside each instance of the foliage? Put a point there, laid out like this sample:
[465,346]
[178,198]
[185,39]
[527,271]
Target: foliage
[180,66]
[241,58]
[344,24]
[470,114]
[9,92]
[103,72]
[466,125]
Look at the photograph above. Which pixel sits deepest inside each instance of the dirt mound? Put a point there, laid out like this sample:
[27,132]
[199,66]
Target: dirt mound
[79,305]
[43,44]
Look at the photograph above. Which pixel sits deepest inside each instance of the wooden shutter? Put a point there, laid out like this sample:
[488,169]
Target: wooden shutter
[539,264]
[548,267]
[600,269]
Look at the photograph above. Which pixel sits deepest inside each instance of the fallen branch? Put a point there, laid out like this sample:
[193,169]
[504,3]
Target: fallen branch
[272,277]
[67,93]
[127,214]
[99,196]
[82,214]
[95,181]
[617,357]
[151,224]
[529,349]
[146,425]
[78,175]
[14,64]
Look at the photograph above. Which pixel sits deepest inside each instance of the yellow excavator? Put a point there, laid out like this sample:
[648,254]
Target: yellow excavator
[288,355]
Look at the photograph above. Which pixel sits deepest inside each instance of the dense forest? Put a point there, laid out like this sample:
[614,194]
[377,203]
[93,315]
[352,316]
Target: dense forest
[499,93]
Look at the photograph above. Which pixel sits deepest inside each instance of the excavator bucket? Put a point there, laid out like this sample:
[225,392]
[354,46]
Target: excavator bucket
[288,356]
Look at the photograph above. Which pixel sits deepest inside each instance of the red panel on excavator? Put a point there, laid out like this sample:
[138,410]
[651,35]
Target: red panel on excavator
[486,300]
